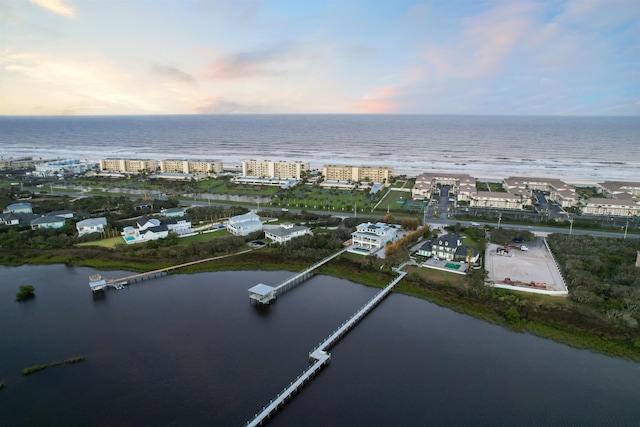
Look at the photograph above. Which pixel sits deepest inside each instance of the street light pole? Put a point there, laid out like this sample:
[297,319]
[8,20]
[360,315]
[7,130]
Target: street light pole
[570,226]
[499,218]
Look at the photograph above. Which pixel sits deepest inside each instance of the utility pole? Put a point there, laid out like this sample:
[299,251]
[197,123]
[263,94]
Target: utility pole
[570,226]
[625,229]
[499,218]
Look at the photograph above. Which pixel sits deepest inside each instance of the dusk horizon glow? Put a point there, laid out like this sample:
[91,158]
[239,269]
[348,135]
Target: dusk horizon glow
[548,58]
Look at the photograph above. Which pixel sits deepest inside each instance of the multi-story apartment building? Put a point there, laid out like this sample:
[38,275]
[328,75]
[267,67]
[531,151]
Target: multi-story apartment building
[463,186]
[614,188]
[612,207]
[128,165]
[62,167]
[377,174]
[497,200]
[557,190]
[194,167]
[21,163]
[272,169]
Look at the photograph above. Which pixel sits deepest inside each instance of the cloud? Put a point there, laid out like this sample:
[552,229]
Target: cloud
[90,83]
[383,100]
[56,6]
[268,61]
[223,106]
[172,73]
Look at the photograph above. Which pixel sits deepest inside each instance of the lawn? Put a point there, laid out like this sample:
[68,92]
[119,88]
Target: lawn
[204,237]
[323,198]
[393,201]
[438,276]
[105,243]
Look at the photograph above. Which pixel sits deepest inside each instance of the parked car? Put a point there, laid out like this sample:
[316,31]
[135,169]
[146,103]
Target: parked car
[524,248]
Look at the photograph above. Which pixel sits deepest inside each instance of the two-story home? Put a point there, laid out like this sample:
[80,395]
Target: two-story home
[91,225]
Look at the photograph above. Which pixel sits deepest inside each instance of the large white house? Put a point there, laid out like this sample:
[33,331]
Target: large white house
[152,229]
[285,232]
[241,225]
[373,236]
[91,225]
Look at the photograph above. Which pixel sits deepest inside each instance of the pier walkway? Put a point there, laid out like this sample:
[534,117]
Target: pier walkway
[99,283]
[320,357]
[265,294]
[301,277]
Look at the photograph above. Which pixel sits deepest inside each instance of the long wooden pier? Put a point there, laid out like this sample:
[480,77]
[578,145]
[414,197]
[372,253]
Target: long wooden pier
[98,283]
[320,357]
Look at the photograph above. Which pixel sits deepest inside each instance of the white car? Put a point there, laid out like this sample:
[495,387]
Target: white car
[524,248]
[475,224]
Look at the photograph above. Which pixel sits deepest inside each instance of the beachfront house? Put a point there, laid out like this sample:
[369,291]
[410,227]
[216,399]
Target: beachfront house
[373,236]
[91,225]
[241,225]
[285,232]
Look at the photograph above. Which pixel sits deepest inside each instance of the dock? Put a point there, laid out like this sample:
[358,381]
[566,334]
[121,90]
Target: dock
[319,357]
[264,294]
[98,283]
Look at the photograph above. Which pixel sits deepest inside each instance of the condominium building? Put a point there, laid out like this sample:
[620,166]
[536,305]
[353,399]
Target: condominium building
[463,186]
[194,167]
[558,190]
[62,168]
[357,173]
[496,200]
[614,188]
[272,169]
[128,165]
[612,207]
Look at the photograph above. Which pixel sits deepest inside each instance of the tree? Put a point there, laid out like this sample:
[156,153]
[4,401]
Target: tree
[25,292]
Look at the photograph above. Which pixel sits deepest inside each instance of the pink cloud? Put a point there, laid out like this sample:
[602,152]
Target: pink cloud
[383,101]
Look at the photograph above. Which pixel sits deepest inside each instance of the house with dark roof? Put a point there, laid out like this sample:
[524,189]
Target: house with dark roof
[448,247]
[17,218]
[63,214]
[152,228]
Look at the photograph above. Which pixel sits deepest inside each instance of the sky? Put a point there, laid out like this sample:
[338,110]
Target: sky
[506,57]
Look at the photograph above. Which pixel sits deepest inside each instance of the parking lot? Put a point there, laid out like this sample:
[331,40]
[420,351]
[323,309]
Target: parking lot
[534,265]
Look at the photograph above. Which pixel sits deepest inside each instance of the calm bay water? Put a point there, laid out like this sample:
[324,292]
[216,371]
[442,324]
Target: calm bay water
[191,350]
[591,149]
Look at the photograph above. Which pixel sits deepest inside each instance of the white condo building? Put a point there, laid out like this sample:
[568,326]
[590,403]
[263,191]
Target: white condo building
[272,169]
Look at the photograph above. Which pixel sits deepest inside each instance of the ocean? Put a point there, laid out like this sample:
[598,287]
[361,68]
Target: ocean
[575,149]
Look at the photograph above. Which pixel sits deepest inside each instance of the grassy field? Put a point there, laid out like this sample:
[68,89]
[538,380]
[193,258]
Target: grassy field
[437,276]
[391,199]
[205,237]
[105,243]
